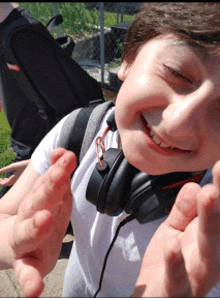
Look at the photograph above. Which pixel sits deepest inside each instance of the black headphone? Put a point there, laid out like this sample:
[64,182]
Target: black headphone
[117,185]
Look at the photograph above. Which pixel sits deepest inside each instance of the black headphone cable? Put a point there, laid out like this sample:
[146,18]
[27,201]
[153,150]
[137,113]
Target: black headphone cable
[126,220]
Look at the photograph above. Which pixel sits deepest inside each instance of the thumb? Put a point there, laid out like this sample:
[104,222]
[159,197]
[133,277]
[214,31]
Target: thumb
[8,181]
[185,207]
[29,277]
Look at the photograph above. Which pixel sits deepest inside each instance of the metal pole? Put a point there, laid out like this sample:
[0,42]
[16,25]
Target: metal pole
[118,8]
[102,58]
[122,11]
[55,13]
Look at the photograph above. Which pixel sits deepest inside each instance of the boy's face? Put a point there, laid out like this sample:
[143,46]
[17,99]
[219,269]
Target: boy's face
[168,108]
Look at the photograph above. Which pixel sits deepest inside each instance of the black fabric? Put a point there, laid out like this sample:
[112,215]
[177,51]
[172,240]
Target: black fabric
[27,126]
[76,137]
[55,21]
[49,85]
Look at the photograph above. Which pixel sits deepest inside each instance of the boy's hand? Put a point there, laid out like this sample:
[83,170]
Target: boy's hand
[18,168]
[183,257]
[41,222]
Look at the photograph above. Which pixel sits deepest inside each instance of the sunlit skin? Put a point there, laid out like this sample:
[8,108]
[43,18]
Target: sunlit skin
[175,89]
[17,168]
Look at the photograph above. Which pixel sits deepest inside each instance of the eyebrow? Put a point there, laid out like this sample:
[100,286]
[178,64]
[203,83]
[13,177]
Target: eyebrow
[201,51]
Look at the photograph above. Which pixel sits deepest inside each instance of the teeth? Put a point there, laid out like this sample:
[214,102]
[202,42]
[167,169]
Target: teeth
[151,132]
[157,140]
[164,145]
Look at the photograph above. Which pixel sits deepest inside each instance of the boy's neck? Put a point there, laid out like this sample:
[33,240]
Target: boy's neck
[198,176]
[6,8]
[199,173]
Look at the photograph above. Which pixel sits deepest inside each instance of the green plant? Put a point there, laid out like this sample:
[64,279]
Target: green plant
[120,45]
[4,132]
[78,20]
[113,64]
[6,152]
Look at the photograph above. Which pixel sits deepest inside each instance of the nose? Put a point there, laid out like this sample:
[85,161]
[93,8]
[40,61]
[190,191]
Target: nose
[186,114]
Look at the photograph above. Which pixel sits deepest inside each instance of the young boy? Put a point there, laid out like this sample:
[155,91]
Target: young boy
[167,114]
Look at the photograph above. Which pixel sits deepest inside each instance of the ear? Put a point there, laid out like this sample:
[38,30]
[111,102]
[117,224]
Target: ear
[124,69]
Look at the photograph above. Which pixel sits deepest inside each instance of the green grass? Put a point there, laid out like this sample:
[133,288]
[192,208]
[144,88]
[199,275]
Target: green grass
[6,152]
[78,20]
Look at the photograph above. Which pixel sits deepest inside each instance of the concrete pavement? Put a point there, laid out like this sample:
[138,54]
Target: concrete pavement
[53,281]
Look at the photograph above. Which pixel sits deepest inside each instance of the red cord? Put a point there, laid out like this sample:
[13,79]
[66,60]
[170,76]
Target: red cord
[100,142]
[196,178]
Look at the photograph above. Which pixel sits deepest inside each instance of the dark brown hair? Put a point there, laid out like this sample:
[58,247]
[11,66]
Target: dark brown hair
[196,22]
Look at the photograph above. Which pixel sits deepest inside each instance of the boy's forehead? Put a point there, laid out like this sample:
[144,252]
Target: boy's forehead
[175,44]
[203,52]
[168,43]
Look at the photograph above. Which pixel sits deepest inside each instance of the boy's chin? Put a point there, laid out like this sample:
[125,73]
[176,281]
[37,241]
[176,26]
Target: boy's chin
[154,167]
[156,171]
[151,169]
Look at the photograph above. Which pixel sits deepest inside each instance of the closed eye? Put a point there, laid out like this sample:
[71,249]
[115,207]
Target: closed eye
[176,74]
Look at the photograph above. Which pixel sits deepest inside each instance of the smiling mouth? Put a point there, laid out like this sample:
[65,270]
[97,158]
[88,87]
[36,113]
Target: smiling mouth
[159,143]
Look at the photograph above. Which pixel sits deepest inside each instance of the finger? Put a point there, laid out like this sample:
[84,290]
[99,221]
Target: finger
[29,277]
[216,175]
[25,162]
[8,181]
[30,233]
[208,209]
[8,168]
[208,237]
[176,280]
[51,188]
[15,166]
[209,221]
[56,154]
[208,202]
[184,208]
[21,164]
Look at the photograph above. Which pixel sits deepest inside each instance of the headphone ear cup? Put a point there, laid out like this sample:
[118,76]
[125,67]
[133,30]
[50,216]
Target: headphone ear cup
[141,190]
[151,196]
[119,188]
[107,188]
[101,178]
